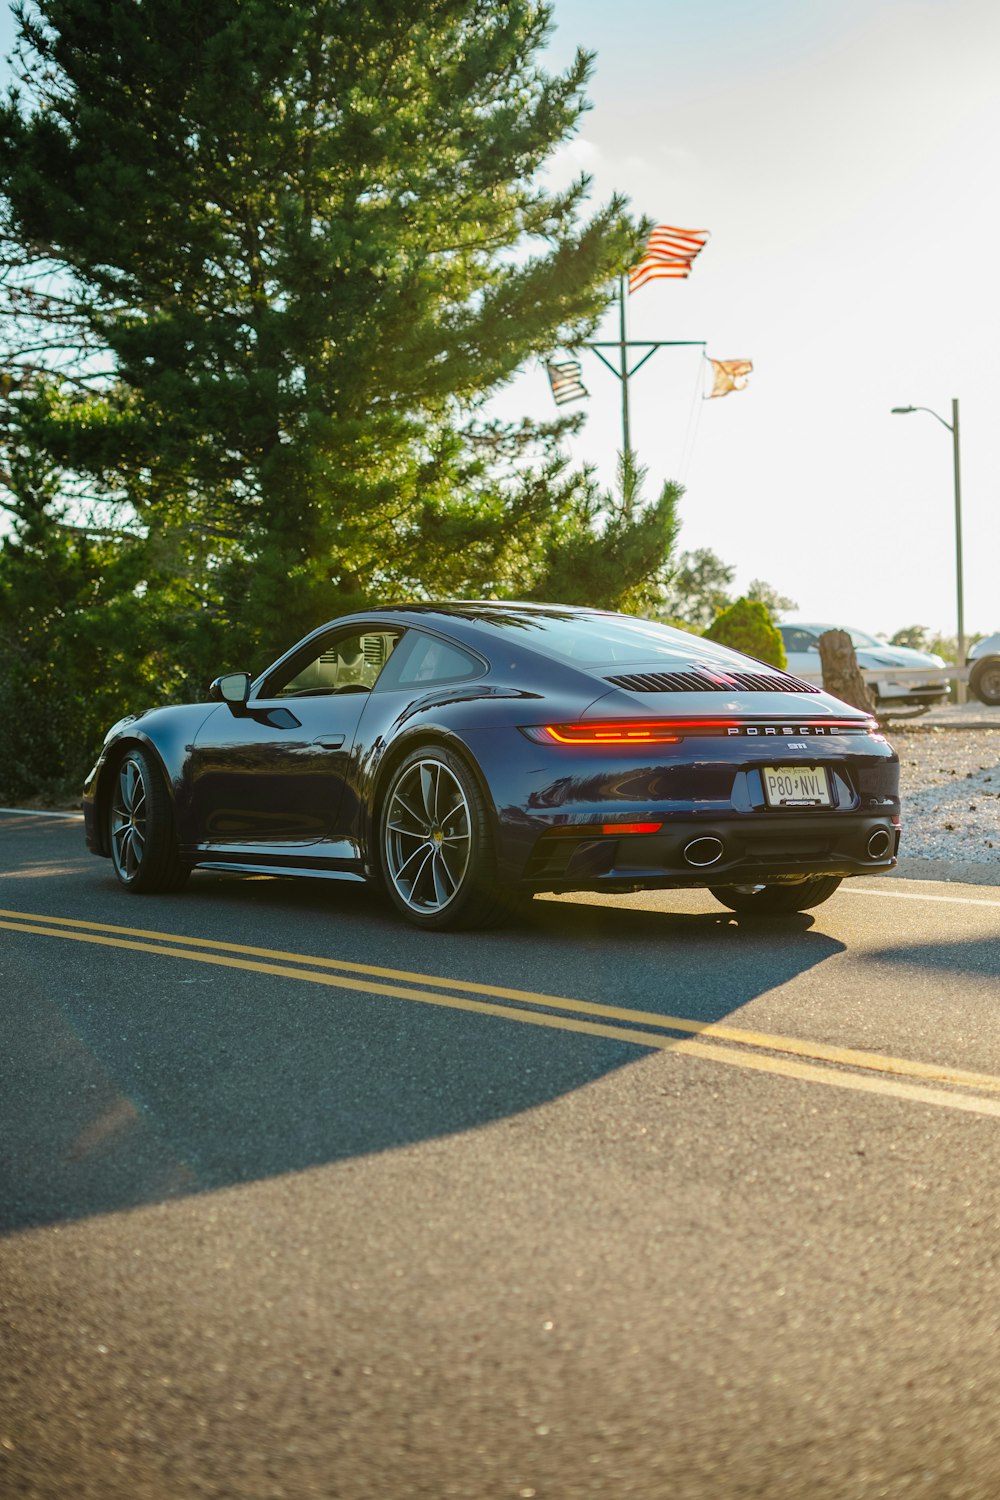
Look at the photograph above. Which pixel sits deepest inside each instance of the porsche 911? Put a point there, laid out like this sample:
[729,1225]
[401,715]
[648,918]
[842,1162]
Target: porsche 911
[463,757]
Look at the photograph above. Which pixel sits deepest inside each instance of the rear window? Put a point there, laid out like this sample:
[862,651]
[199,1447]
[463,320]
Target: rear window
[605,640]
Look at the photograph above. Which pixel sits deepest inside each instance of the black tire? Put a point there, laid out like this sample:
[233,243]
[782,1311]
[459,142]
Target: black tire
[984,680]
[776,900]
[141,832]
[436,853]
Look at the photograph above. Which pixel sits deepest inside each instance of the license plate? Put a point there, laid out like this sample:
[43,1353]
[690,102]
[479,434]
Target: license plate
[796,786]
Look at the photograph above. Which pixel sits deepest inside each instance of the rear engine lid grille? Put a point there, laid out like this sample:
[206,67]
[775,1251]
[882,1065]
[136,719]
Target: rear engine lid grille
[699,681]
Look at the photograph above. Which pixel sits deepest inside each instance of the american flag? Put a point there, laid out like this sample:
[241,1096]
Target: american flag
[565,381]
[668,252]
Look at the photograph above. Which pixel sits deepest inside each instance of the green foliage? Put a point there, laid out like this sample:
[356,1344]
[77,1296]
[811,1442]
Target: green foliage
[777,604]
[52,589]
[335,245]
[917,637]
[746,626]
[274,257]
[921,638]
[93,623]
[615,559]
[698,589]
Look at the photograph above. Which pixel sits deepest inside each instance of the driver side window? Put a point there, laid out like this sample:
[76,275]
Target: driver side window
[798,640]
[344,664]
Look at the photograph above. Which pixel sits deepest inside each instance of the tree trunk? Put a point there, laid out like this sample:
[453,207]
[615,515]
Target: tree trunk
[841,674]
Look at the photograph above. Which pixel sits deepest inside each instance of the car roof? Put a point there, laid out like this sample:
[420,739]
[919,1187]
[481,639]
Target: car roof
[811,625]
[470,608]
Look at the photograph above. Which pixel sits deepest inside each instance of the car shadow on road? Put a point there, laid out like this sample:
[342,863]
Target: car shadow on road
[132,1079]
[971,957]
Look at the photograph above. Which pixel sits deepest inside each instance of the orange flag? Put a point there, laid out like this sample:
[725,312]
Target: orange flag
[729,375]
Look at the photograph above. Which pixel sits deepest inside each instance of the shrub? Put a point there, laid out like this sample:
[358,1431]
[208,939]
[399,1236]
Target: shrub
[746,626]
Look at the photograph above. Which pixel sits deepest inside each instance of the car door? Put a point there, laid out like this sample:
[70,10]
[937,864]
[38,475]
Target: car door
[269,778]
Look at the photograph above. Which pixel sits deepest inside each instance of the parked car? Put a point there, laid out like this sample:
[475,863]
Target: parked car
[461,756]
[802,650]
[984,663]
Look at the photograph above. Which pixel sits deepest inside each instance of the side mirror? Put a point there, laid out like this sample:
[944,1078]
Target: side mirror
[232,688]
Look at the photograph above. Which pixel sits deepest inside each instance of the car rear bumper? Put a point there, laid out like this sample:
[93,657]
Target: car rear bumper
[697,852]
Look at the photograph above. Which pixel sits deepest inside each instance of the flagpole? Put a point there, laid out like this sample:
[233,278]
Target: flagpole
[626,439]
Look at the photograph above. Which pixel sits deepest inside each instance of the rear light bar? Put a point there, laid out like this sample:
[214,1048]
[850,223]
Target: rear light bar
[670,731]
[595,830]
[645,730]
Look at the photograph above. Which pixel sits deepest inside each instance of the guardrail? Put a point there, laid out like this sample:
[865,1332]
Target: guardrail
[915,674]
[900,674]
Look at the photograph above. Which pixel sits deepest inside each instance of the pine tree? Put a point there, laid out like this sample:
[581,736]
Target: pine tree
[617,559]
[312,239]
[95,621]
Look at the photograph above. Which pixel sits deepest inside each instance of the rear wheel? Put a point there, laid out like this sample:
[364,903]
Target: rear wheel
[436,843]
[776,900]
[141,827]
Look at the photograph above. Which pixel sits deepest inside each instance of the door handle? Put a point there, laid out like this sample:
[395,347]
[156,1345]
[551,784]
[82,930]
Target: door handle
[329,741]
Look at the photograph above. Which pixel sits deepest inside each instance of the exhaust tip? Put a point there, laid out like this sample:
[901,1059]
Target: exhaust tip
[704,851]
[878,843]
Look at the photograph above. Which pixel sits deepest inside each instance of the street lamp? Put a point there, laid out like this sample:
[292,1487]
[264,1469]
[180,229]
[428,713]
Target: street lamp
[952,426]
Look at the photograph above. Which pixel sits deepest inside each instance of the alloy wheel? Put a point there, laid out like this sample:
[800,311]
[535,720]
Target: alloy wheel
[428,836]
[128,819]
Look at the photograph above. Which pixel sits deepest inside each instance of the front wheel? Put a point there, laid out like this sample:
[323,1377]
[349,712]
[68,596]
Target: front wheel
[141,827]
[776,900]
[436,843]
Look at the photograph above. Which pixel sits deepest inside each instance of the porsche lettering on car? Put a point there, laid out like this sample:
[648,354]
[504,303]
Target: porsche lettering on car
[463,757]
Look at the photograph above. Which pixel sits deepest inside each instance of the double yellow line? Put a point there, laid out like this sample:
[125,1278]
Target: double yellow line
[788,1057]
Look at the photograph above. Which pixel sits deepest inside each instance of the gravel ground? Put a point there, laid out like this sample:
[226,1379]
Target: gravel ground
[950,781]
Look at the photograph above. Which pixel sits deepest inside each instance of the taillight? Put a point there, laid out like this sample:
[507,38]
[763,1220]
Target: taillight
[625,731]
[671,731]
[614,828]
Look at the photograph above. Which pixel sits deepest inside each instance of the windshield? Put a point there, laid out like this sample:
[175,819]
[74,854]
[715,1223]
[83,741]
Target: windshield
[791,635]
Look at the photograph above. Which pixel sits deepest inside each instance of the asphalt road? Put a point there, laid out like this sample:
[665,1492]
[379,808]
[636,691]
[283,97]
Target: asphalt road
[633,1200]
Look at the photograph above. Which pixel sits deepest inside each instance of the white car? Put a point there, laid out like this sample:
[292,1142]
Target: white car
[984,663]
[802,649]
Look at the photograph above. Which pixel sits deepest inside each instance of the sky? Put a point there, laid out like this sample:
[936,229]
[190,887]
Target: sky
[844,157]
[843,154]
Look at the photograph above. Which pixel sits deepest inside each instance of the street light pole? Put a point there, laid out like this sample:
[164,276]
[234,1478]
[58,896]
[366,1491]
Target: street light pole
[952,426]
[958,540]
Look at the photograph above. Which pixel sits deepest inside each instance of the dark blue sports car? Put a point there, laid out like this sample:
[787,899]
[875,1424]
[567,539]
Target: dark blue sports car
[464,756]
